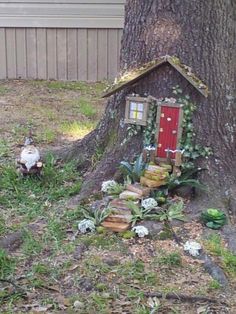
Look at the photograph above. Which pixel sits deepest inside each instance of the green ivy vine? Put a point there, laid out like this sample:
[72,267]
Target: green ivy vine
[192,151]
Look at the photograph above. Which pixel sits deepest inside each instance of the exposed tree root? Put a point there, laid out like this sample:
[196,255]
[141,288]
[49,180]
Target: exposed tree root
[183,297]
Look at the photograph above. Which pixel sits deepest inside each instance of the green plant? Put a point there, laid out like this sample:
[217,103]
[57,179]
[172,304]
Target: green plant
[185,179]
[133,171]
[170,259]
[140,213]
[97,216]
[173,211]
[213,218]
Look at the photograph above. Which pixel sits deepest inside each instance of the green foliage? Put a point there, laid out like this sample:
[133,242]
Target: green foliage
[133,171]
[213,218]
[185,179]
[7,264]
[115,189]
[173,211]
[170,259]
[128,234]
[97,216]
[140,213]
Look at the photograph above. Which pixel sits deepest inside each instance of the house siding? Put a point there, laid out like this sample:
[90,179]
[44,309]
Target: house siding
[64,40]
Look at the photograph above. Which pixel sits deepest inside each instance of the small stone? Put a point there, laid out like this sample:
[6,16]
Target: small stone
[78,305]
[110,261]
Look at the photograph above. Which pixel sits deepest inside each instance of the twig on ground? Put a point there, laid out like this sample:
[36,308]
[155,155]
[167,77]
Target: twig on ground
[18,290]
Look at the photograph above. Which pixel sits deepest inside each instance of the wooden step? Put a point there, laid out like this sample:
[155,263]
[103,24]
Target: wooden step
[119,218]
[116,226]
[139,189]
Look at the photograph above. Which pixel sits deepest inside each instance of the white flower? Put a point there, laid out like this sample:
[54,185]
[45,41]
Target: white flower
[141,231]
[108,185]
[86,225]
[150,147]
[192,247]
[149,203]
[172,100]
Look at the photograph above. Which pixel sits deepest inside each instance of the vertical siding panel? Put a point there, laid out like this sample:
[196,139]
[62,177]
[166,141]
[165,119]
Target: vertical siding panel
[31,53]
[102,54]
[21,53]
[82,54]
[61,54]
[11,52]
[112,53]
[51,53]
[41,53]
[3,61]
[72,61]
[92,55]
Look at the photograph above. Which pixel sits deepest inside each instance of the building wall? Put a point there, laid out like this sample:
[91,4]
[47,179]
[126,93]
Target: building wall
[64,40]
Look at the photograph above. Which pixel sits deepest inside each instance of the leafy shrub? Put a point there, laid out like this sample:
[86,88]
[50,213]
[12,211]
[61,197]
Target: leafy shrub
[133,171]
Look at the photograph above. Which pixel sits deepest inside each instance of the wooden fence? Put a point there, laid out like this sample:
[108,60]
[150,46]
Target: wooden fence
[64,40]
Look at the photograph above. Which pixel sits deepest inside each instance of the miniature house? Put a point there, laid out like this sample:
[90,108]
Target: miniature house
[169,113]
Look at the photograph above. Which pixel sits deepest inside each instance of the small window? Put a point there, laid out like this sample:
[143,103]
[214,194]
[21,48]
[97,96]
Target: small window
[136,110]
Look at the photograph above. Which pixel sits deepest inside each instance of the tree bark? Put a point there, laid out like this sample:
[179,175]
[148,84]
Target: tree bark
[202,35]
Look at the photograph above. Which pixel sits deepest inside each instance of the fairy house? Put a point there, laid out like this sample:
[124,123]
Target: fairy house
[140,91]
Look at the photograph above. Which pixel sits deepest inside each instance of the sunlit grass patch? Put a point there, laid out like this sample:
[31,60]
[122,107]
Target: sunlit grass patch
[77,129]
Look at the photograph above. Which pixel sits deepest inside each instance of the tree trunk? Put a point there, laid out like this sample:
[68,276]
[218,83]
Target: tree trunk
[202,35]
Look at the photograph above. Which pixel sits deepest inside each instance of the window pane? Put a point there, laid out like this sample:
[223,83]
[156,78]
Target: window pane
[132,115]
[133,106]
[140,107]
[140,115]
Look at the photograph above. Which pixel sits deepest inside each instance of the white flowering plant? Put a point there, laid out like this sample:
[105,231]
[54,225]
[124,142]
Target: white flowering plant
[193,248]
[86,225]
[141,213]
[149,203]
[141,231]
[111,187]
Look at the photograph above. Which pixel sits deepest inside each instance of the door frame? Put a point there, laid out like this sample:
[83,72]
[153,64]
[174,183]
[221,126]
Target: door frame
[158,117]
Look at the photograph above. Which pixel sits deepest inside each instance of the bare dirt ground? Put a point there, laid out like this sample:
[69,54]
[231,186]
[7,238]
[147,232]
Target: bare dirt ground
[47,266]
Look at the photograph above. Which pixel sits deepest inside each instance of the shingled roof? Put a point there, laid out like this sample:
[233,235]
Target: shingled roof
[129,78]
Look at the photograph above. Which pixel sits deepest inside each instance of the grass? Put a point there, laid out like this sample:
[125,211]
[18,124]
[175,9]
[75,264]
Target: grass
[3,90]
[4,148]
[77,129]
[215,246]
[7,264]
[170,259]
[86,108]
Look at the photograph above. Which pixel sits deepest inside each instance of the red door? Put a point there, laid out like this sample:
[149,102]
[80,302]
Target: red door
[167,137]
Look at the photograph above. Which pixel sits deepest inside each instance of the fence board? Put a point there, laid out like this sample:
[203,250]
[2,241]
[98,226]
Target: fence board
[41,53]
[20,53]
[31,53]
[62,54]
[3,61]
[11,52]
[72,46]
